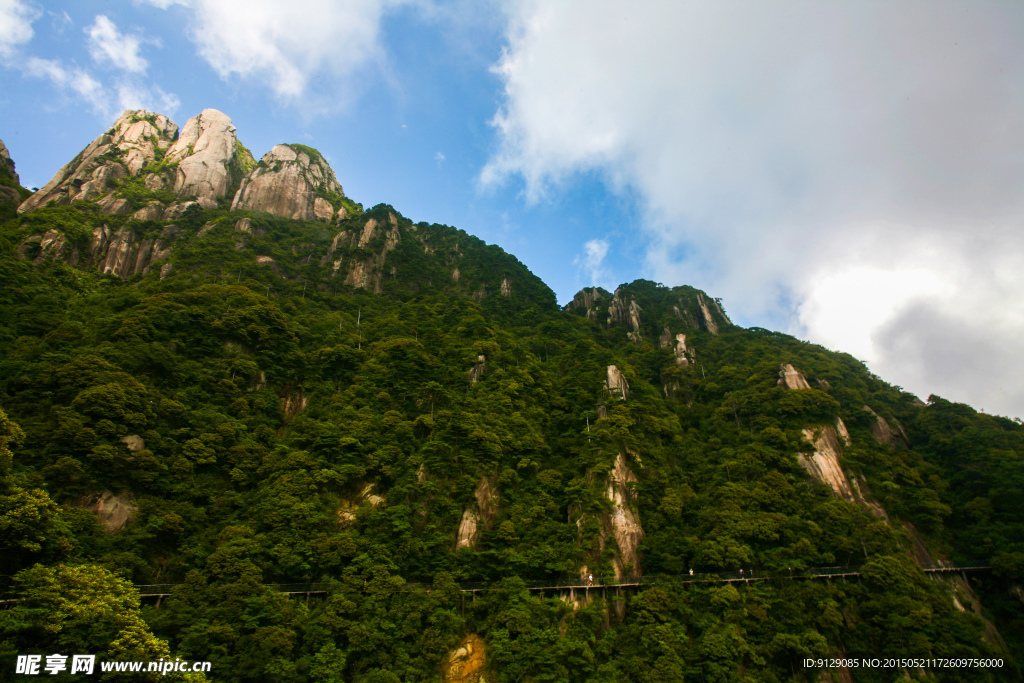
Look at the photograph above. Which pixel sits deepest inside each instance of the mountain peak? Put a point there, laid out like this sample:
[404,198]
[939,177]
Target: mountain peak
[293,181]
[137,138]
[209,158]
[142,166]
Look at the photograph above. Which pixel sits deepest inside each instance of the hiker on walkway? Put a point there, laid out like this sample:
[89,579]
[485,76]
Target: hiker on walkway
[590,580]
[691,571]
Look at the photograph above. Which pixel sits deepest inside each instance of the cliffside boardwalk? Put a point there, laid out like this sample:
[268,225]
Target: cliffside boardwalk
[156,593]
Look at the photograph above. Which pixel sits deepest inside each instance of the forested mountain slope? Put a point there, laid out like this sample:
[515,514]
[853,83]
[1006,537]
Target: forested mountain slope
[299,390]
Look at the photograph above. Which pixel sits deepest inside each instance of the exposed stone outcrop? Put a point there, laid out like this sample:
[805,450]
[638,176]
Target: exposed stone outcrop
[339,240]
[709,321]
[616,383]
[466,663]
[586,299]
[293,181]
[677,345]
[245,226]
[506,288]
[368,272]
[122,253]
[7,165]
[863,495]
[293,404]
[112,511]
[477,371]
[884,434]
[790,378]
[823,464]
[134,443]
[467,534]
[135,139]
[479,517]
[622,523]
[627,314]
[347,508]
[368,232]
[209,157]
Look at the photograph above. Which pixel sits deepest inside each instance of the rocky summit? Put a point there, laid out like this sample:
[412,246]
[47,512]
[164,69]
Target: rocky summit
[145,167]
[133,143]
[209,160]
[247,422]
[293,181]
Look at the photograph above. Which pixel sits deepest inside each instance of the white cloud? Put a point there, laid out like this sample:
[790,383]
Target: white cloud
[283,44]
[846,171]
[591,263]
[133,96]
[439,158]
[105,101]
[16,19]
[71,79]
[107,44]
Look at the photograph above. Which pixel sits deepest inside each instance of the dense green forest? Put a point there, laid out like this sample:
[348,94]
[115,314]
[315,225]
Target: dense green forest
[262,422]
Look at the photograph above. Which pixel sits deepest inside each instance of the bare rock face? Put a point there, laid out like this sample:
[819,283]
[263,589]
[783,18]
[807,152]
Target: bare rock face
[482,517]
[477,371]
[134,443]
[6,165]
[293,181]
[790,378]
[709,321]
[293,404]
[467,534]
[616,383]
[368,272]
[112,511]
[586,299]
[209,157]
[824,465]
[627,314]
[466,663]
[121,253]
[346,511]
[884,434]
[622,522]
[136,139]
[678,346]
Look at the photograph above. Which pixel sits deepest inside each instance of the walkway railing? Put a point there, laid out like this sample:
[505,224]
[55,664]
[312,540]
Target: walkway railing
[746,575]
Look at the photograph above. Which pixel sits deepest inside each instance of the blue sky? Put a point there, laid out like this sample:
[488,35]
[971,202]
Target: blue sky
[848,172]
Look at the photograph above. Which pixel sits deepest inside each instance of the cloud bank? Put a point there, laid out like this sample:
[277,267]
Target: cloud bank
[286,45]
[850,172]
[116,52]
[107,44]
[591,264]
[16,19]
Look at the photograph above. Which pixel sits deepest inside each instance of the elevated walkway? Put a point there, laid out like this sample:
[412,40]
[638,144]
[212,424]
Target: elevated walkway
[569,587]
